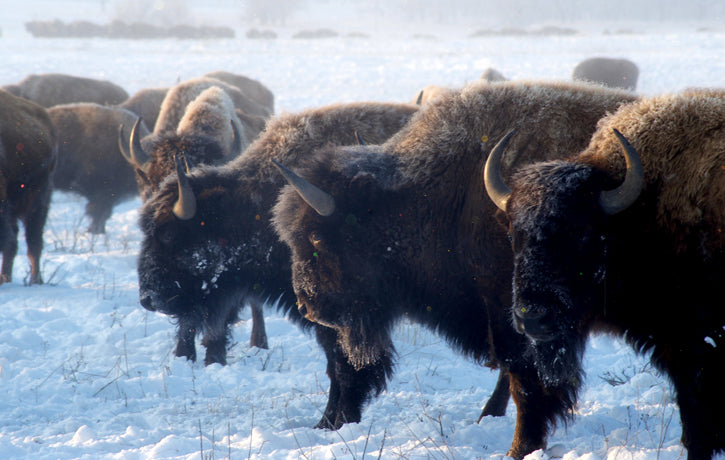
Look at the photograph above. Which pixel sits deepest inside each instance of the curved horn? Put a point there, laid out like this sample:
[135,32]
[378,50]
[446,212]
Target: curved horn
[420,98]
[622,197]
[496,188]
[358,139]
[185,206]
[320,201]
[123,146]
[138,156]
[237,145]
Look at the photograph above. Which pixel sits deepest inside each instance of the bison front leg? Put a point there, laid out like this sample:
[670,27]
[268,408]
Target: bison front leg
[350,388]
[258,338]
[9,239]
[185,337]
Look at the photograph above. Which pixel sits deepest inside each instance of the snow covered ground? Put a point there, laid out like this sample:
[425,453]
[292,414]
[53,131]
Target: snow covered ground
[86,373]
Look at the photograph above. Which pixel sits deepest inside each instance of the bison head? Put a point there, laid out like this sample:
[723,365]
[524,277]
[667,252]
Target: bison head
[153,156]
[343,256]
[558,214]
[202,246]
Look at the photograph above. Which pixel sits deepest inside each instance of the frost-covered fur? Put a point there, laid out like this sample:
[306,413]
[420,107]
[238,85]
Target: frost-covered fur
[211,115]
[202,271]
[652,273]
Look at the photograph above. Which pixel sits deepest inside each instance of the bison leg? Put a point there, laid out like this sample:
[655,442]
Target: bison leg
[99,211]
[496,404]
[10,249]
[185,337]
[259,334]
[216,350]
[350,389]
[538,407]
[34,223]
[696,375]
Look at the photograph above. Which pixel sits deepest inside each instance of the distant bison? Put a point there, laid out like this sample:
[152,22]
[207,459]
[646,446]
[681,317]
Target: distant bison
[201,267]
[209,132]
[251,88]
[146,103]
[54,88]
[174,105]
[90,161]
[614,73]
[401,231]
[492,75]
[27,159]
[642,257]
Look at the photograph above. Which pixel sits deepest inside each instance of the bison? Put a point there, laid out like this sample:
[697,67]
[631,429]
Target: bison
[209,132]
[253,89]
[51,89]
[27,159]
[205,255]
[146,103]
[611,72]
[400,231]
[90,162]
[597,253]
[180,96]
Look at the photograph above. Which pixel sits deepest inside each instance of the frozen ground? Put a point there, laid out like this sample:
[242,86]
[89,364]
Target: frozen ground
[85,372]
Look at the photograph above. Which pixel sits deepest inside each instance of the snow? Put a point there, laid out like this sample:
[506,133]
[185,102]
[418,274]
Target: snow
[86,373]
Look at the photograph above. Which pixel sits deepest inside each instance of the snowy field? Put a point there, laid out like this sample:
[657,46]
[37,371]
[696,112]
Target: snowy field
[86,373]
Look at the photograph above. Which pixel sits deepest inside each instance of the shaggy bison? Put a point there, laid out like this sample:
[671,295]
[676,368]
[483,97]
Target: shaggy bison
[641,257]
[209,132]
[27,159]
[206,254]
[54,88]
[90,162]
[146,103]
[401,231]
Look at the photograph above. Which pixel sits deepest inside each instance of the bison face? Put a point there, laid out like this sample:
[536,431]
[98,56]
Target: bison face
[191,264]
[558,215]
[557,229]
[343,264]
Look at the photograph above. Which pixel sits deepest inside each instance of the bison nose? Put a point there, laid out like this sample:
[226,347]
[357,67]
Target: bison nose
[531,321]
[147,302]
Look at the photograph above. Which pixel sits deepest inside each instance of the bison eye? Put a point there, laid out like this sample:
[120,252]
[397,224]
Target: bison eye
[165,235]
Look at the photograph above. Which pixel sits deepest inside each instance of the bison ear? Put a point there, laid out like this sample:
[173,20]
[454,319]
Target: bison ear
[320,201]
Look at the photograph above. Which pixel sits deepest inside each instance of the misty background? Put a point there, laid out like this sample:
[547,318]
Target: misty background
[615,16]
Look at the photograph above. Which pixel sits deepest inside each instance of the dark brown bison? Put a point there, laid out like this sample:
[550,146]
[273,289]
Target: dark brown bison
[54,88]
[207,254]
[401,231]
[27,159]
[641,257]
[90,162]
[611,72]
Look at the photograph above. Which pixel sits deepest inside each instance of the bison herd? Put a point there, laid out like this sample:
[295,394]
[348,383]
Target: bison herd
[515,218]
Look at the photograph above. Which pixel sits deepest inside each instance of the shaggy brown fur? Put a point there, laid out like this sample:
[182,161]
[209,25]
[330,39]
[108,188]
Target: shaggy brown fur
[202,271]
[652,273]
[413,237]
[53,88]
[27,159]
